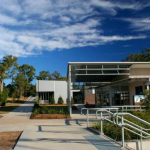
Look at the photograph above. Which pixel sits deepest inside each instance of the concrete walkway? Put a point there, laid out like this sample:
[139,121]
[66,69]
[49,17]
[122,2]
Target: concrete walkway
[17,119]
[61,135]
[53,134]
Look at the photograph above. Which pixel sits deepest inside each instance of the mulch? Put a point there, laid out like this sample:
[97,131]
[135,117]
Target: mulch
[8,140]
[50,116]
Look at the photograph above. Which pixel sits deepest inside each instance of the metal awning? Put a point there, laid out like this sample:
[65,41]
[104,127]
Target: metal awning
[101,71]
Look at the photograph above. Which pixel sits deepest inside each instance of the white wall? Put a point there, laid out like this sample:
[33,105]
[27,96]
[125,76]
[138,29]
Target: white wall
[44,86]
[58,87]
[60,90]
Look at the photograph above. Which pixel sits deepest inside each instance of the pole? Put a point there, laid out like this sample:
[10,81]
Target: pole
[87,118]
[122,130]
[102,124]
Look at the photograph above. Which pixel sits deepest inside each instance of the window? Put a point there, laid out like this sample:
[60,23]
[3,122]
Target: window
[138,90]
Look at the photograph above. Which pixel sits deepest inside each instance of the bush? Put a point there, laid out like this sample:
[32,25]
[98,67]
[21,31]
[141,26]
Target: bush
[38,100]
[113,131]
[13,97]
[72,101]
[60,100]
[44,110]
[52,100]
[146,100]
[3,97]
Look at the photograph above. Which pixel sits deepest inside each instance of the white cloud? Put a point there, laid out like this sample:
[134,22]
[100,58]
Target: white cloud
[139,24]
[29,27]
[6,20]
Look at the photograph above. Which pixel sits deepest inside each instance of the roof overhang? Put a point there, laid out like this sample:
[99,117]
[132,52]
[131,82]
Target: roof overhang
[101,71]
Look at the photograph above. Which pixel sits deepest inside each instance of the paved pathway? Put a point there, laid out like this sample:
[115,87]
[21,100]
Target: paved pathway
[53,134]
[61,135]
[17,119]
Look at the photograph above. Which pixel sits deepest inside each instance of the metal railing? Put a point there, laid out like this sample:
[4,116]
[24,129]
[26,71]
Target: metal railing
[118,119]
[127,107]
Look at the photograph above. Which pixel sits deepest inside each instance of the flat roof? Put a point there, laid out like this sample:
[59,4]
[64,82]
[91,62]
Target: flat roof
[73,63]
[102,71]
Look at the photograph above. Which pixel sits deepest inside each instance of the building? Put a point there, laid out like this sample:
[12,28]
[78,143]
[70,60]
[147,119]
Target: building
[117,82]
[45,89]
[106,83]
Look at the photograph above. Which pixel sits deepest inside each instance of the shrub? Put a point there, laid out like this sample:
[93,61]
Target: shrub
[36,111]
[113,131]
[52,100]
[72,101]
[44,110]
[146,100]
[60,100]
[38,100]
[3,97]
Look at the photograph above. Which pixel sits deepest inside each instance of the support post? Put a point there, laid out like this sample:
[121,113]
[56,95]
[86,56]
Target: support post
[141,140]
[102,123]
[69,90]
[110,97]
[87,118]
[122,130]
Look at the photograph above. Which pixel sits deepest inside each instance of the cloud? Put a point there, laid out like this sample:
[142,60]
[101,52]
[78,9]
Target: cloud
[6,20]
[139,24]
[30,27]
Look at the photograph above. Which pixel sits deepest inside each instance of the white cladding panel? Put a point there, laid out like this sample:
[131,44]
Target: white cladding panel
[60,90]
[58,87]
[45,86]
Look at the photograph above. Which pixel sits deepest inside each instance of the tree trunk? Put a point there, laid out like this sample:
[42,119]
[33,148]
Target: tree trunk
[1,85]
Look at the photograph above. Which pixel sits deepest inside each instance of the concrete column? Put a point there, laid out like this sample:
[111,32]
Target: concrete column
[110,97]
[69,90]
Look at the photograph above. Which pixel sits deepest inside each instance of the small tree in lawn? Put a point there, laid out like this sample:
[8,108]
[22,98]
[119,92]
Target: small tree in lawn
[146,100]
[52,100]
[60,100]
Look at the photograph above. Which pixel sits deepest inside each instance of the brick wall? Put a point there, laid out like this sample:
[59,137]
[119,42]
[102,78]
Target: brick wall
[90,99]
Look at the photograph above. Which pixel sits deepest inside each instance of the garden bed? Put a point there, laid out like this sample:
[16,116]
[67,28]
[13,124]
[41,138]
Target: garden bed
[50,116]
[114,131]
[50,112]
[8,140]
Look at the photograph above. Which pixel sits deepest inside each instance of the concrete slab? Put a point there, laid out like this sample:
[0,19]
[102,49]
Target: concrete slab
[17,119]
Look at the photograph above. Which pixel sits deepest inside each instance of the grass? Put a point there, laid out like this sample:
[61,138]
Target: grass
[8,140]
[114,131]
[10,106]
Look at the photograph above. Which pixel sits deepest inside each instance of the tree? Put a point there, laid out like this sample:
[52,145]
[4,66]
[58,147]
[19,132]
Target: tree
[7,63]
[44,75]
[32,90]
[144,56]
[20,82]
[146,100]
[56,75]
[63,78]
[12,72]
[29,73]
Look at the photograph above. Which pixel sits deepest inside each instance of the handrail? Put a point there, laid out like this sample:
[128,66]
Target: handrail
[124,124]
[133,116]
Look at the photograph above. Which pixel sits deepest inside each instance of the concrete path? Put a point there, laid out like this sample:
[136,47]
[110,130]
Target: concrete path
[17,119]
[60,135]
[53,134]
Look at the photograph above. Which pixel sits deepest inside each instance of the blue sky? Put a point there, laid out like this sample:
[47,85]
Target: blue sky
[49,33]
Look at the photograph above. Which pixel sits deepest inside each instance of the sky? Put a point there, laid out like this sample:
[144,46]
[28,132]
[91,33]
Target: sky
[50,33]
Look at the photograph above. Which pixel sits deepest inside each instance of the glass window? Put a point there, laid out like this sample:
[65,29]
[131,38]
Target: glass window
[138,90]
